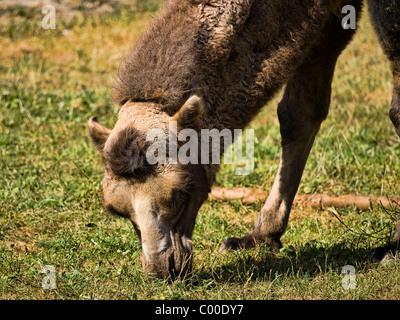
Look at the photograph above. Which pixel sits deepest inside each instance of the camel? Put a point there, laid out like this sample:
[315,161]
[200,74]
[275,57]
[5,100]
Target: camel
[213,64]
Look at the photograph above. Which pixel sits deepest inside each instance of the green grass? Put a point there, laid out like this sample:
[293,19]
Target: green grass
[51,82]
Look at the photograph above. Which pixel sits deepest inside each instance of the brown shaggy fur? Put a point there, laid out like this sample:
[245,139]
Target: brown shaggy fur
[235,55]
[127,156]
[227,52]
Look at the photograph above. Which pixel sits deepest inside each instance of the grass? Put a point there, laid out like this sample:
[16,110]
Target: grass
[52,81]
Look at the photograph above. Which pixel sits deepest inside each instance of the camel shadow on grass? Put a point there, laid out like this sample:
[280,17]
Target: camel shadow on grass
[309,260]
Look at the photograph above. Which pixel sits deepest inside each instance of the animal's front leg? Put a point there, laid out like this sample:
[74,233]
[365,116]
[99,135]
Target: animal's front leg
[273,218]
[385,16]
[304,106]
[393,246]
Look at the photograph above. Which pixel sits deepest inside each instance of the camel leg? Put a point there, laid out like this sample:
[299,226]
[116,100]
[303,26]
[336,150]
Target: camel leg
[304,106]
[385,16]
[394,246]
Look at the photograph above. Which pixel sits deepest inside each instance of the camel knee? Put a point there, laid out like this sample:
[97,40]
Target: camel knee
[302,120]
[394,112]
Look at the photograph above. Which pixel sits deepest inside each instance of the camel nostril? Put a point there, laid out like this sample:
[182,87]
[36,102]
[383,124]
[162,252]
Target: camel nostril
[169,264]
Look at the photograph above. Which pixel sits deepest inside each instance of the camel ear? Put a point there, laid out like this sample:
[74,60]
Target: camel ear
[98,133]
[190,113]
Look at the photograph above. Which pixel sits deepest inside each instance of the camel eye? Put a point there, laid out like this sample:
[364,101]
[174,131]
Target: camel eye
[111,209]
[181,196]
